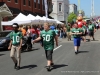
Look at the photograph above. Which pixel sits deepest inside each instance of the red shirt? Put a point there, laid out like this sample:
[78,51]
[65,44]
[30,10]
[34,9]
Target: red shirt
[33,31]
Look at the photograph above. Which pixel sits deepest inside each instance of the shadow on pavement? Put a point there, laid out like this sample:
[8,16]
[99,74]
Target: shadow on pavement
[58,66]
[83,52]
[87,40]
[3,50]
[2,54]
[31,50]
[29,66]
[94,40]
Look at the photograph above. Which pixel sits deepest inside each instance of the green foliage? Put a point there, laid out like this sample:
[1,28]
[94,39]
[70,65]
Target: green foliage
[72,17]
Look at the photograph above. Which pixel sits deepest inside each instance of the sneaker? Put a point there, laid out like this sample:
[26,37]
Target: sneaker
[89,40]
[48,68]
[52,64]
[76,53]
[93,39]
[18,68]
[15,66]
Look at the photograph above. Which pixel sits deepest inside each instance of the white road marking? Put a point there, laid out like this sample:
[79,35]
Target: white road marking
[57,47]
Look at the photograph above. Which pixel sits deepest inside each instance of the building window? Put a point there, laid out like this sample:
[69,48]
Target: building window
[43,4]
[9,0]
[39,4]
[35,3]
[29,3]
[60,7]
[24,2]
[16,1]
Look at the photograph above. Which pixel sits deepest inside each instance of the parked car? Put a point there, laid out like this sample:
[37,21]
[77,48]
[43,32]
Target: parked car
[4,41]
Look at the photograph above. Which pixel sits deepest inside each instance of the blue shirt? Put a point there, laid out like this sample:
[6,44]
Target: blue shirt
[52,27]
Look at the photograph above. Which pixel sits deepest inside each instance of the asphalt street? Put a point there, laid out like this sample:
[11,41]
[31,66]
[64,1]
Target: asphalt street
[87,62]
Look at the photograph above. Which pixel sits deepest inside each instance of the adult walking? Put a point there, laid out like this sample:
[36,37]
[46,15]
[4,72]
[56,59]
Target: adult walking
[15,45]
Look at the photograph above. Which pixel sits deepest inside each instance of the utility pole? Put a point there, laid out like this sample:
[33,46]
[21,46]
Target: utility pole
[92,8]
[79,5]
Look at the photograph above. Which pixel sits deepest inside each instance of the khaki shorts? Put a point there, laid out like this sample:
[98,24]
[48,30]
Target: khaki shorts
[69,35]
[15,49]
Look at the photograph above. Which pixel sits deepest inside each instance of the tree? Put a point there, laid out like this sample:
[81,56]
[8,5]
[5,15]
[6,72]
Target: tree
[72,17]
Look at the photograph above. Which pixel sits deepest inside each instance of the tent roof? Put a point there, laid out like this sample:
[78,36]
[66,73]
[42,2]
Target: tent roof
[20,17]
[38,17]
[31,17]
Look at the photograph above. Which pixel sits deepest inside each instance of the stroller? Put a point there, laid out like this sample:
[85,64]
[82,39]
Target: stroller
[26,45]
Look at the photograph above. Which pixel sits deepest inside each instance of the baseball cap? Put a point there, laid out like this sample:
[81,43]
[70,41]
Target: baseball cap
[15,25]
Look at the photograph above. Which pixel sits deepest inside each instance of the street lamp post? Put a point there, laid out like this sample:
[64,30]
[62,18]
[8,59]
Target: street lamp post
[92,8]
[79,5]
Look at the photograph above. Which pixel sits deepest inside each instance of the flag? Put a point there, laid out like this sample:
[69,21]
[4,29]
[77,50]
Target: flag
[46,8]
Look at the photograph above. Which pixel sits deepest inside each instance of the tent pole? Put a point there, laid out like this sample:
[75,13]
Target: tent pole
[1,24]
[31,24]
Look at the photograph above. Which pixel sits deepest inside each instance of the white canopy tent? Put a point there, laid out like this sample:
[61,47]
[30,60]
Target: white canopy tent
[48,20]
[58,22]
[20,19]
[45,19]
[41,21]
[33,19]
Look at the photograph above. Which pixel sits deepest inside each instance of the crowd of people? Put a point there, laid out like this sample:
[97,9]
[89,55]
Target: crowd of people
[45,35]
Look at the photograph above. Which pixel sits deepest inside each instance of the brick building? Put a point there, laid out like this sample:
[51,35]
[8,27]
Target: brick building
[34,7]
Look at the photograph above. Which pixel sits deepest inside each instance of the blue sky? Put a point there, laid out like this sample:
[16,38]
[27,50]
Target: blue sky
[86,6]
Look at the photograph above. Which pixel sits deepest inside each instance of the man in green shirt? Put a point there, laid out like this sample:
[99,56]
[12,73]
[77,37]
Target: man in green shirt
[91,28]
[68,31]
[76,32]
[84,28]
[15,45]
[48,43]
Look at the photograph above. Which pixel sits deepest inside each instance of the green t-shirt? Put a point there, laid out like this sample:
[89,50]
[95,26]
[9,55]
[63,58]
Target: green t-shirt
[48,39]
[56,31]
[68,28]
[91,27]
[76,30]
[84,27]
[16,37]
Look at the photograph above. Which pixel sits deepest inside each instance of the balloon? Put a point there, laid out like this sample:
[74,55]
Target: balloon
[80,24]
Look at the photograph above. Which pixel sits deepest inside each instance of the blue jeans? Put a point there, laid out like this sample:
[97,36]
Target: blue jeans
[61,35]
[33,36]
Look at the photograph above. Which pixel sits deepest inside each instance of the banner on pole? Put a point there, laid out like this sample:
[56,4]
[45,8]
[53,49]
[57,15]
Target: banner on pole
[46,8]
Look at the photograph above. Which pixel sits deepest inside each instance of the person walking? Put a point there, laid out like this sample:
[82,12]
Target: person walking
[69,31]
[76,32]
[92,30]
[29,37]
[48,43]
[15,45]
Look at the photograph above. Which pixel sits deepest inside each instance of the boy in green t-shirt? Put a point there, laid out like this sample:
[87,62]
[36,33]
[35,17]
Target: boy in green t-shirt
[76,32]
[48,43]
[15,45]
